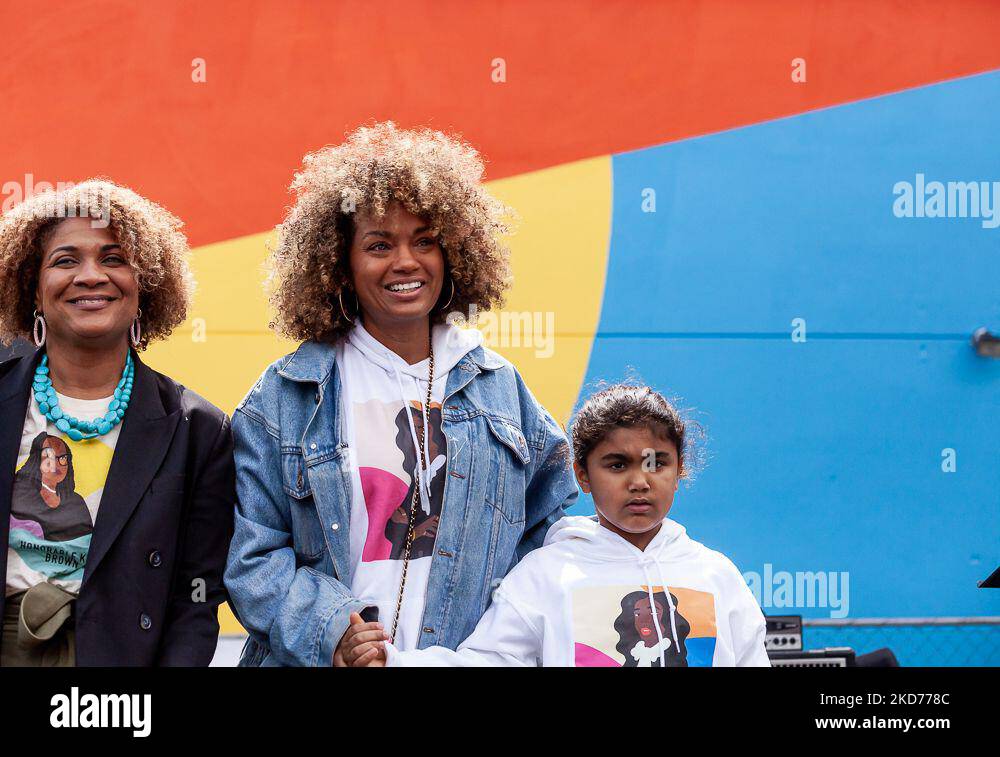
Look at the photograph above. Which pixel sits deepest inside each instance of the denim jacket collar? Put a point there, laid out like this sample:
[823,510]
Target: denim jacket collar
[313,362]
[293,468]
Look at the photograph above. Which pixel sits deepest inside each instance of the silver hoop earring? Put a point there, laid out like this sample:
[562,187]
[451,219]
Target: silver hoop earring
[340,298]
[135,330]
[39,326]
[452,296]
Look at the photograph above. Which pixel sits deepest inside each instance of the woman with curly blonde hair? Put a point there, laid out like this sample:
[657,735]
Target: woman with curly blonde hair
[392,469]
[116,483]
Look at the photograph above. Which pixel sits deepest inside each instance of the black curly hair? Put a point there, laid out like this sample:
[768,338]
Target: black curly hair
[626,405]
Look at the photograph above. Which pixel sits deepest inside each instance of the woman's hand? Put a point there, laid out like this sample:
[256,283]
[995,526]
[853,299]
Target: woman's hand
[358,643]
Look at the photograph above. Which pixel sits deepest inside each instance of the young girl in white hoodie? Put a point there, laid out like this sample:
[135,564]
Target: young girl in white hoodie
[626,588]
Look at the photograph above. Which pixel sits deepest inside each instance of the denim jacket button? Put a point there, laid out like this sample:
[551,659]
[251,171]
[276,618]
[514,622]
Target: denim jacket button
[428,629]
[312,446]
[334,526]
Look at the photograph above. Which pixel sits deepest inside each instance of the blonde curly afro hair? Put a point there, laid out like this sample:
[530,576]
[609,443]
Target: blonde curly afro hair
[150,238]
[433,176]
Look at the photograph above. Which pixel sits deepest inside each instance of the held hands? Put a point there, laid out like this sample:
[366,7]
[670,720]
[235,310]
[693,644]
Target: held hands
[362,645]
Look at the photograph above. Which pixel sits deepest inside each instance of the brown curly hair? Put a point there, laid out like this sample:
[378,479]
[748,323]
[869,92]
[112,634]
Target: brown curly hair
[432,175]
[149,236]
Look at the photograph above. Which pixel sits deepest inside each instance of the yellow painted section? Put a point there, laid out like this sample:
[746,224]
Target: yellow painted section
[225,344]
[560,259]
[559,256]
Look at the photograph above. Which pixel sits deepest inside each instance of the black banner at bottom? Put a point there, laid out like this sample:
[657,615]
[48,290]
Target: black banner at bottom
[237,707]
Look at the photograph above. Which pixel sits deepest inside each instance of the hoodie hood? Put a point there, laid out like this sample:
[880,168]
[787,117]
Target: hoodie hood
[670,543]
[450,343]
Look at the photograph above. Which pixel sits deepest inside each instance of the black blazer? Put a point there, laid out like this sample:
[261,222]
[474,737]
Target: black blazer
[165,521]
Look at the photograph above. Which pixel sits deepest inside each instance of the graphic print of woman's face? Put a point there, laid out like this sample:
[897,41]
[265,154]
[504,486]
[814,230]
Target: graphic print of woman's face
[434,441]
[54,460]
[644,624]
[636,626]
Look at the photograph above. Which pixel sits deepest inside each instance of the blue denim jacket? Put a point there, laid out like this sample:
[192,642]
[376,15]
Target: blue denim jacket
[289,570]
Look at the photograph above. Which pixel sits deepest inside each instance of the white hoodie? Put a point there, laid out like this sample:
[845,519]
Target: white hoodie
[376,385]
[585,599]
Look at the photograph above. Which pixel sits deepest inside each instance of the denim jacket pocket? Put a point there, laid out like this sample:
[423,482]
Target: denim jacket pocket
[307,533]
[508,461]
[510,436]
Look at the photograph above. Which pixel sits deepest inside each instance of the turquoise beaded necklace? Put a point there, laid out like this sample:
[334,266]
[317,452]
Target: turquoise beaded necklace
[48,404]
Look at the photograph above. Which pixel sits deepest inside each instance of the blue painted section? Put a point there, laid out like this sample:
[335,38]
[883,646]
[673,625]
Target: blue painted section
[825,455]
[794,218]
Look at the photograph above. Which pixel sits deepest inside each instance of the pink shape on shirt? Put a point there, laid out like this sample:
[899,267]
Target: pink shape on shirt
[588,657]
[383,493]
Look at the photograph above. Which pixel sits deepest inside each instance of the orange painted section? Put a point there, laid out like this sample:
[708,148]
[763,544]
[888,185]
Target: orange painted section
[105,87]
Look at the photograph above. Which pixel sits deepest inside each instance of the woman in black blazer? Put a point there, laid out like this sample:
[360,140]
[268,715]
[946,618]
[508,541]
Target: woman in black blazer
[117,484]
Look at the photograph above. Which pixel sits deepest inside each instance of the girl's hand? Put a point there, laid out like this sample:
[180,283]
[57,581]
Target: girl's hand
[369,655]
[358,634]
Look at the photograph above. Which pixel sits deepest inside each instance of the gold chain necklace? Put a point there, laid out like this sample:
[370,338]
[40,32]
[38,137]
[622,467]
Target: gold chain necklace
[416,493]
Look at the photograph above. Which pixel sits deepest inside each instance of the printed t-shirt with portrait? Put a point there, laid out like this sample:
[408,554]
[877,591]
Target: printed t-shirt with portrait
[57,492]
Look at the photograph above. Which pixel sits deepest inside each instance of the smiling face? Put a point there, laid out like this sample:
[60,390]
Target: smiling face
[397,267]
[632,474]
[87,290]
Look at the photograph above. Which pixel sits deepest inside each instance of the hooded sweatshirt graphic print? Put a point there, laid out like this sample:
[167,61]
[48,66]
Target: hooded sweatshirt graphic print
[383,409]
[589,598]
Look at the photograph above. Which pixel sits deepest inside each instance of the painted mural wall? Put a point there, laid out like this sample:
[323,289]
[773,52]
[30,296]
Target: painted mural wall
[735,202]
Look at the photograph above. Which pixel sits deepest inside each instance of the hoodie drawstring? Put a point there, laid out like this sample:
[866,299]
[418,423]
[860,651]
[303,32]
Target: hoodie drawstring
[652,605]
[652,610]
[424,482]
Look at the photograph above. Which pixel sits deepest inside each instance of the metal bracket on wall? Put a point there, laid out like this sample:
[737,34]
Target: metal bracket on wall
[986,344]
